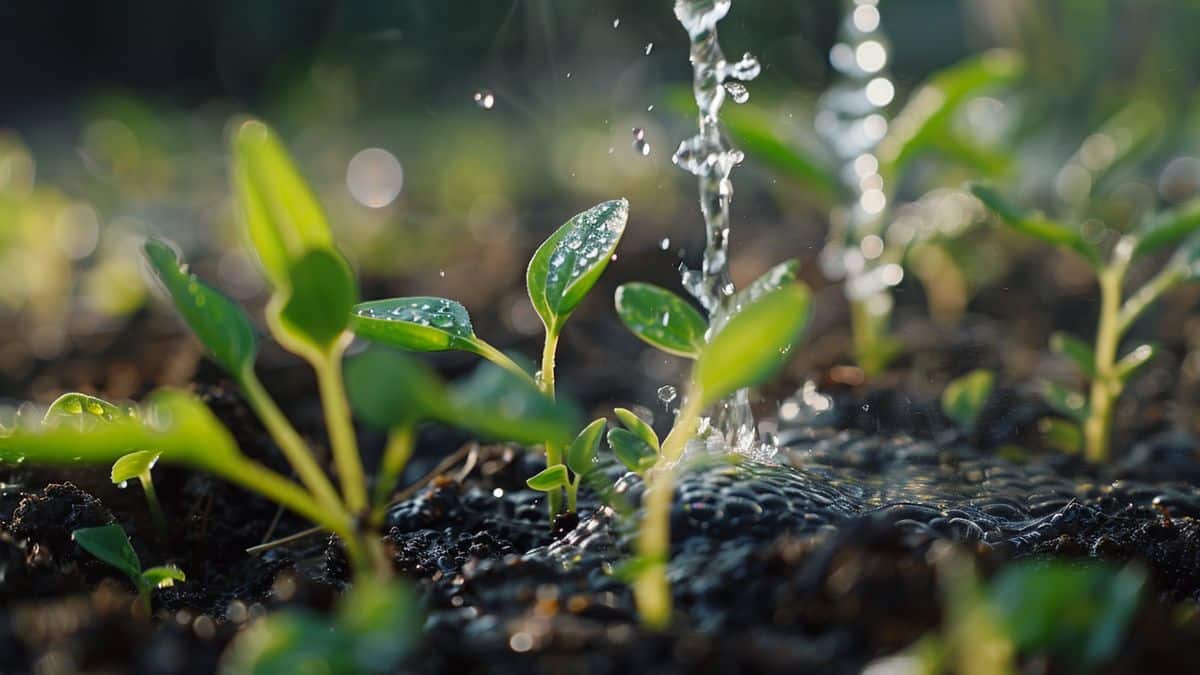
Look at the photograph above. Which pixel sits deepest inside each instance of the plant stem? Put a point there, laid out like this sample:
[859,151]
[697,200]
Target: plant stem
[651,590]
[1106,385]
[573,493]
[873,348]
[341,430]
[395,457]
[285,436]
[156,512]
[546,382]
[501,359]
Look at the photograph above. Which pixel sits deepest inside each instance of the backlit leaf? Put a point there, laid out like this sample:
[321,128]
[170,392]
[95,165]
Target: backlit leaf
[661,318]
[420,324]
[110,544]
[774,278]
[638,426]
[322,295]
[549,479]
[82,411]
[581,456]
[163,576]
[134,465]
[632,450]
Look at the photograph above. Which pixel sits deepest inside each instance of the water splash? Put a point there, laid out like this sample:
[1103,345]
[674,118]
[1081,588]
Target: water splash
[485,99]
[851,118]
[709,156]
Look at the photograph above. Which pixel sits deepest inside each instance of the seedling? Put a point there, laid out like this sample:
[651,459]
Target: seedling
[562,271]
[748,349]
[1106,368]
[581,461]
[964,398]
[110,544]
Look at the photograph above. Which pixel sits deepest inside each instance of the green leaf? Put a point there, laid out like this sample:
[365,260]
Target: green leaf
[500,405]
[281,214]
[1168,228]
[661,318]
[1061,435]
[772,279]
[163,576]
[82,411]
[753,344]
[756,134]
[964,398]
[638,426]
[1036,226]
[389,390]
[1134,361]
[110,544]
[134,465]
[420,324]
[220,325]
[549,479]
[567,265]
[318,306]
[1066,402]
[1075,349]
[581,455]
[632,450]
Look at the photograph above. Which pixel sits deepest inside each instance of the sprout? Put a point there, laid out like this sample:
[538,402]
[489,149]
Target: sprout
[964,398]
[110,544]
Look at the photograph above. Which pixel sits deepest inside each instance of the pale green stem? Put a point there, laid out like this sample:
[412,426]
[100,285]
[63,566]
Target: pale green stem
[293,447]
[341,430]
[546,382]
[395,457]
[1149,294]
[651,590]
[156,512]
[501,359]
[1106,385]
[573,493]
[871,343]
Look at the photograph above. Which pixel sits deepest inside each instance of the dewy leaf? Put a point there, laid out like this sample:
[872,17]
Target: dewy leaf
[1165,229]
[110,544]
[1131,363]
[754,344]
[567,265]
[1077,350]
[1036,226]
[220,325]
[638,426]
[134,465]
[964,398]
[777,276]
[163,576]
[549,479]
[82,411]
[501,405]
[581,456]
[282,216]
[632,450]
[388,389]
[661,318]
[1066,402]
[419,324]
[321,298]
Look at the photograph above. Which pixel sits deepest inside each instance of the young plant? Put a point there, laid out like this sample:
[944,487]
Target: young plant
[110,544]
[964,398]
[581,461]
[747,350]
[1104,365]
[562,271]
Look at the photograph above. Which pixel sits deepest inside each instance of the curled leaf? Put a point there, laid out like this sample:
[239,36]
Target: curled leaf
[638,426]
[134,465]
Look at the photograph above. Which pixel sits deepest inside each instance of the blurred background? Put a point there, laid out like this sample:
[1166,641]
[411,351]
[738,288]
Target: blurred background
[447,139]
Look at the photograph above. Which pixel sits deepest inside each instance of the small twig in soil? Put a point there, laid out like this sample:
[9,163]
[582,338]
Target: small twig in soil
[468,454]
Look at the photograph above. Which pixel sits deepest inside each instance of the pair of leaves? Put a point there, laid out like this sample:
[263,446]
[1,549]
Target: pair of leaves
[314,285]
[636,445]
[389,390]
[964,398]
[581,460]
[670,323]
[110,544]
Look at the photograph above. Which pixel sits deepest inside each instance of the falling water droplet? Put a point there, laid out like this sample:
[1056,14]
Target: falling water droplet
[616,22]
[667,393]
[665,243]
[738,92]
[649,48]
[485,99]
[640,143]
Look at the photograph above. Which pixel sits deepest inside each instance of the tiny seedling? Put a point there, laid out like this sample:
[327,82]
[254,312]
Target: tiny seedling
[964,398]
[562,271]
[1103,364]
[581,461]
[110,544]
[748,349]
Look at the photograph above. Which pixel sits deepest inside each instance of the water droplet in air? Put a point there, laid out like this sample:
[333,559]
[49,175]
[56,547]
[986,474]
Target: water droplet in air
[123,484]
[737,91]
[485,99]
[616,22]
[665,243]
[666,394]
[640,143]
[650,108]
[649,48]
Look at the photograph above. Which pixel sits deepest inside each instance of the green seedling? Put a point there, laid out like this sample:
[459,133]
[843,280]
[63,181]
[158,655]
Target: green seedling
[581,461]
[747,350]
[1104,365]
[964,398]
[562,271]
[374,627]
[110,544]
[85,412]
